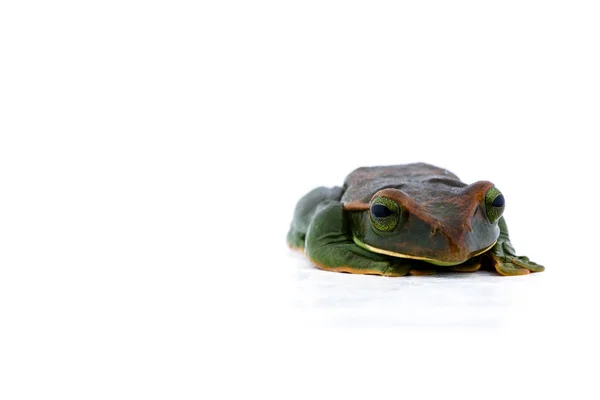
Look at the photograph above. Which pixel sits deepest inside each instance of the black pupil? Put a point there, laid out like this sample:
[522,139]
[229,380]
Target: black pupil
[380,211]
[498,201]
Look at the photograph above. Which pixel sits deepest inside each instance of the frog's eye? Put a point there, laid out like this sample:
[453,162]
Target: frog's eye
[385,213]
[494,204]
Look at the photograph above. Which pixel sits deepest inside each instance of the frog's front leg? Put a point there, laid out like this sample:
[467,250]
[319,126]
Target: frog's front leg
[504,258]
[329,246]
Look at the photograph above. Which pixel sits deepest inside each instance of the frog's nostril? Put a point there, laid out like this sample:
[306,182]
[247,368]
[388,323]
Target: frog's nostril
[469,227]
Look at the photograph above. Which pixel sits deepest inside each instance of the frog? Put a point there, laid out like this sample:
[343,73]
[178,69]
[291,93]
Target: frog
[410,219]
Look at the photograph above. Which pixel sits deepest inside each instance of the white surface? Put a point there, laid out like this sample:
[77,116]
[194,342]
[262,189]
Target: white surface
[481,299]
[151,154]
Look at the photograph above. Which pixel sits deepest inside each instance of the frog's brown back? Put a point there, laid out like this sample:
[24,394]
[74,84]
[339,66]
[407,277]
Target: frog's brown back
[363,182]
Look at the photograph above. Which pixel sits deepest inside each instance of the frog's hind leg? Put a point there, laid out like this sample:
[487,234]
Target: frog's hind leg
[329,246]
[295,240]
[305,209]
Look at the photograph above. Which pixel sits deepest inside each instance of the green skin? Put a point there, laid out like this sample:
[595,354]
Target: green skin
[438,223]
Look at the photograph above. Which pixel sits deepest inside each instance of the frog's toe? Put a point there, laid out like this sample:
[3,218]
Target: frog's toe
[510,269]
[396,270]
[525,262]
[471,265]
[506,262]
[296,249]
[421,272]
[465,268]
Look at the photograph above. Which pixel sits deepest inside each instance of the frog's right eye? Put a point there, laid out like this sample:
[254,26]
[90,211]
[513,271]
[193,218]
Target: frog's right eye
[494,204]
[385,213]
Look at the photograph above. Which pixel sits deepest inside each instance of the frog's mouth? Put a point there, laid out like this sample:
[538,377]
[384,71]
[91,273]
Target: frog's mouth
[426,259]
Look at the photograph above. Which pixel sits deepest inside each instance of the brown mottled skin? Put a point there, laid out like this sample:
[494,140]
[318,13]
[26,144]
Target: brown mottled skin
[432,197]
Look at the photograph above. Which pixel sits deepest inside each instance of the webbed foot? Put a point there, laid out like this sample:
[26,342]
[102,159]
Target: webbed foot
[506,262]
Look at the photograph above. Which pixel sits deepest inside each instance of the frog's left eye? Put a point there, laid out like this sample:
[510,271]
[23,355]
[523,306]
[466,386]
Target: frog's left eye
[385,213]
[494,204]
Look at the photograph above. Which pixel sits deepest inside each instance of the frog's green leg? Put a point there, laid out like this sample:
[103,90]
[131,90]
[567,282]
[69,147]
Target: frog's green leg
[471,265]
[504,258]
[295,240]
[329,246]
[422,271]
[305,209]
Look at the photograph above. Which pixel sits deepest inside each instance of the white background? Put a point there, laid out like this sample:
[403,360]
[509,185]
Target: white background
[151,154]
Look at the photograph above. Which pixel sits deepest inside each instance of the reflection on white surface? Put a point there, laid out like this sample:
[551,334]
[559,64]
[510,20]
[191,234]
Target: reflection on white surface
[480,299]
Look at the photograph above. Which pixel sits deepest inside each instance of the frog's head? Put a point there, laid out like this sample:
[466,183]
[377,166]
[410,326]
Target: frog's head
[440,221]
